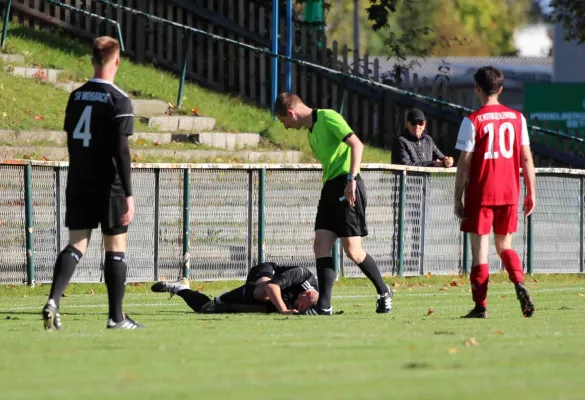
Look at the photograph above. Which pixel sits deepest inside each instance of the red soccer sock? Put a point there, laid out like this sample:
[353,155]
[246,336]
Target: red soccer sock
[513,265]
[479,278]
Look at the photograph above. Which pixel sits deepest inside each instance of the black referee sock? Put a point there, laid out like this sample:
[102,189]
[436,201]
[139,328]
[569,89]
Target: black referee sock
[115,277]
[370,269]
[64,269]
[325,278]
[194,299]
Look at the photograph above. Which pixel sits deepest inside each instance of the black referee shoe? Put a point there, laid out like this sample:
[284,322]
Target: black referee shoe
[526,303]
[384,302]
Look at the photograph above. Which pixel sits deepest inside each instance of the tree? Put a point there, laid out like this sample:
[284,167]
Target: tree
[571,14]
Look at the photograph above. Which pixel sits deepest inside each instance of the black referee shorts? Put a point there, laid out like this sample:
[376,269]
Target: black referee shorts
[338,216]
[85,210]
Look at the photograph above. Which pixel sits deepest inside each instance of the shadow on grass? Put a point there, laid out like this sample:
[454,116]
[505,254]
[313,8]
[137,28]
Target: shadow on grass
[56,39]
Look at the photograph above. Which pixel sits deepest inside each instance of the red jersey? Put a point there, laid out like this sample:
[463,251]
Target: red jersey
[495,135]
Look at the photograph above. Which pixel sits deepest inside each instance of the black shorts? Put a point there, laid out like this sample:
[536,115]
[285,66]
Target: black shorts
[265,270]
[87,211]
[338,216]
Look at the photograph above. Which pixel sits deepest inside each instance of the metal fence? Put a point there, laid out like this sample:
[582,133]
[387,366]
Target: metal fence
[216,221]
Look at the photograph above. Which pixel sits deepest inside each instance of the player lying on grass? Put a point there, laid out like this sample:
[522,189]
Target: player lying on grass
[269,288]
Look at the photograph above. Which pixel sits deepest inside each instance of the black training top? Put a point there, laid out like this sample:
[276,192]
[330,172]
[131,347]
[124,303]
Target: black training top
[98,120]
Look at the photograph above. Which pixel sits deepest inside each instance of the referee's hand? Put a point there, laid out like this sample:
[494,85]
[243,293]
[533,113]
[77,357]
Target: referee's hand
[349,192]
[128,211]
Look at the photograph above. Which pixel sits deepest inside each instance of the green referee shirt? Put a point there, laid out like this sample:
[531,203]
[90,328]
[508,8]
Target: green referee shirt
[326,140]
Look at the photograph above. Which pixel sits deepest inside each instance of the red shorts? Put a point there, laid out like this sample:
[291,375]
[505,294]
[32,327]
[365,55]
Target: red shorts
[480,220]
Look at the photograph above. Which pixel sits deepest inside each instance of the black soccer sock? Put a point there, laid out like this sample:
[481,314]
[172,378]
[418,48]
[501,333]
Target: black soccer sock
[64,269]
[325,278]
[194,299]
[240,295]
[370,269]
[115,277]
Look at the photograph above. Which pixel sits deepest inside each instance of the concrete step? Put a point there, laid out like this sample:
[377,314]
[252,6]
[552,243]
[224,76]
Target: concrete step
[147,108]
[41,74]
[179,123]
[69,86]
[12,58]
[60,153]
[224,141]
[218,140]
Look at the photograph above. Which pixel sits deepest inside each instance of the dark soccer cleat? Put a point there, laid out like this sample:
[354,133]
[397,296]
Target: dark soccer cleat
[477,312]
[317,311]
[126,323]
[51,318]
[211,307]
[170,287]
[526,303]
[384,302]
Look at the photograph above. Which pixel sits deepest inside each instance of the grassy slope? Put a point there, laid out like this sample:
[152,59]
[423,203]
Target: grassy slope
[357,355]
[145,81]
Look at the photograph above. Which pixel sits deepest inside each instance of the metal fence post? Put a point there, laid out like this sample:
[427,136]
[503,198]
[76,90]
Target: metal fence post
[336,258]
[422,225]
[156,220]
[261,215]
[289,36]
[581,222]
[58,207]
[466,254]
[275,21]
[186,222]
[530,246]
[120,37]
[401,210]
[186,39]
[29,224]
[5,27]
[250,216]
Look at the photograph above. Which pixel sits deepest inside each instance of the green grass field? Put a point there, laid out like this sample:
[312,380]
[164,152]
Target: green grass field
[357,355]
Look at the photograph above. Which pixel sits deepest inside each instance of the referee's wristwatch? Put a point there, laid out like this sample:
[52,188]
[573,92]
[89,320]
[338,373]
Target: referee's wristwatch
[350,177]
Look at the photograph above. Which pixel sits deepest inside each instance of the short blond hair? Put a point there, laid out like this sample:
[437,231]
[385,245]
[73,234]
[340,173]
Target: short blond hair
[284,102]
[104,49]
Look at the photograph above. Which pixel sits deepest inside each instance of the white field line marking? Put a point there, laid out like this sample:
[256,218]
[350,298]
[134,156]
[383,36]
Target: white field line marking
[174,304]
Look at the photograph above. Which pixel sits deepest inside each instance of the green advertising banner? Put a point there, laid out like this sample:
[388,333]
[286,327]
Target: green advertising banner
[556,106]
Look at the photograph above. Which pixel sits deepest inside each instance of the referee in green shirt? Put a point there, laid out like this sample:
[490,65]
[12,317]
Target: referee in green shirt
[342,207]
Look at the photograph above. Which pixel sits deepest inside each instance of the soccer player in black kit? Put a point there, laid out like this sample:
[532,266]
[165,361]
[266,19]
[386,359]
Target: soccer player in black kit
[98,120]
[269,288]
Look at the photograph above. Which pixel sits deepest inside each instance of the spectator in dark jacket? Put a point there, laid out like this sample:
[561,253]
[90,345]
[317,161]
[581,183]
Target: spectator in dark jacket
[414,148]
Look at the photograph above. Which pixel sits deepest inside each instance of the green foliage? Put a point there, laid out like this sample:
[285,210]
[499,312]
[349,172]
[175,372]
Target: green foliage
[570,13]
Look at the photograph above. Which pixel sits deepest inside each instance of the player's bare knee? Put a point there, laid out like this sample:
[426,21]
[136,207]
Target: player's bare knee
[116,243]
[503,243]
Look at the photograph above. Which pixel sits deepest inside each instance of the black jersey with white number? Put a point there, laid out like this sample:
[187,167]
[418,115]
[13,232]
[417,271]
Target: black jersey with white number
[97,114]
[292,281]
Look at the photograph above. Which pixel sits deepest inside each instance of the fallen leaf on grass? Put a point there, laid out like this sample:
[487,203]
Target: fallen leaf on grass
[581,295]
[430,311]
[455,283]
[39,117]
[535,280]
[395,284]
[91,291]
[501,297]
[498,332]
[444,288]
[471,342]
[411,348]
[428,275]
[452,350]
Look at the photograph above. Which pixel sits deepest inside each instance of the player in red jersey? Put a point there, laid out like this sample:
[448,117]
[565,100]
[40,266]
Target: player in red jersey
[494,145]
